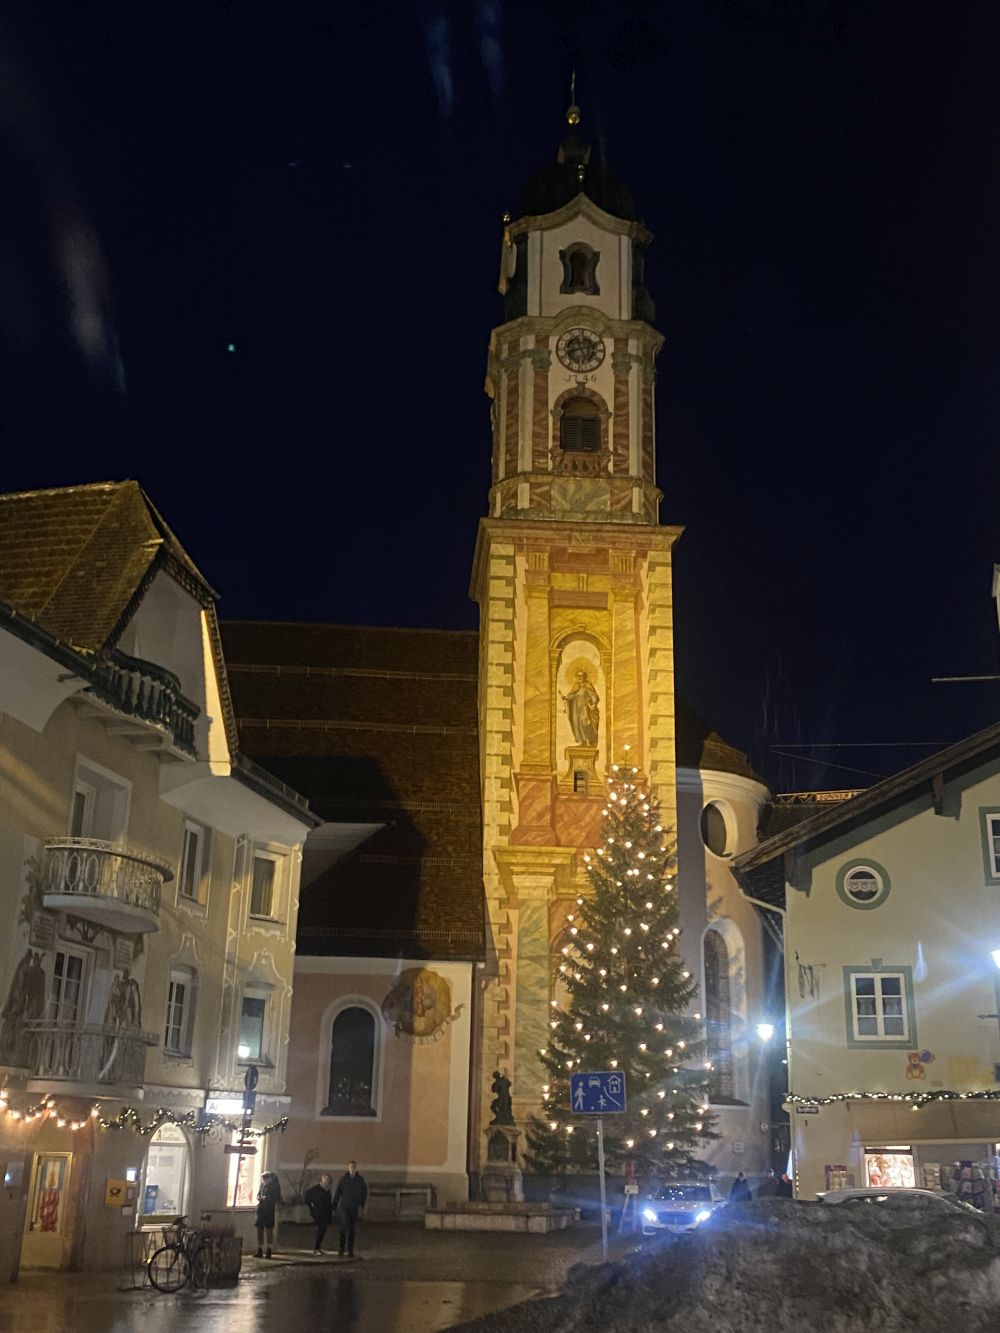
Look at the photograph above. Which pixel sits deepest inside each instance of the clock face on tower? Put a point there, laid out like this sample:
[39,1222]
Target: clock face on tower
[580,349]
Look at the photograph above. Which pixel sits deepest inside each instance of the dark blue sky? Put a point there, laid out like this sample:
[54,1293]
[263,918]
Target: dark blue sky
[322,186]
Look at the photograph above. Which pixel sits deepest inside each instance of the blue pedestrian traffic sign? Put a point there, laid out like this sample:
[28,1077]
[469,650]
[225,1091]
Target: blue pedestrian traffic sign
[597,1094]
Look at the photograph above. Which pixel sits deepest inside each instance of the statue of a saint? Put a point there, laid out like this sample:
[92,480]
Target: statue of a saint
[503,1112]
[583,710]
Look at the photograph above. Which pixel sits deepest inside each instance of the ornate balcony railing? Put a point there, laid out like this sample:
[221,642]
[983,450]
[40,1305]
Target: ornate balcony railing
[91,1053]
[148,692]
[102,882]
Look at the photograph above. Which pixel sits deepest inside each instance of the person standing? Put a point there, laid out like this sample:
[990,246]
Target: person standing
[784,1189]
[349,1198]
[739,1191]
[268,1198]
[319,1201]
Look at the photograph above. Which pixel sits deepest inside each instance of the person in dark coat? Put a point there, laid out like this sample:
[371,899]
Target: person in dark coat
[349,1198]
[319,1201]
[739,1191]
[783,1189]
[268,1198]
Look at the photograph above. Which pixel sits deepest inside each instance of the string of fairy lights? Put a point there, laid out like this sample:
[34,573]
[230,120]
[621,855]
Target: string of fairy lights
[620,796]
[915,1100]
[129,1118]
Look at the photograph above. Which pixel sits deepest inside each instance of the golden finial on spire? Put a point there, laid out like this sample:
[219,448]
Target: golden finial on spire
[572,111]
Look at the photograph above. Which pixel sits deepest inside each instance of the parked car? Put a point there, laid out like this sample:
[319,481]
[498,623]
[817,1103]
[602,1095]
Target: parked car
[682,1205]
[898,1196]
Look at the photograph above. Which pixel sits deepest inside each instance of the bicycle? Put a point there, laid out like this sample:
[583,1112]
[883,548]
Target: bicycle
[182,1259]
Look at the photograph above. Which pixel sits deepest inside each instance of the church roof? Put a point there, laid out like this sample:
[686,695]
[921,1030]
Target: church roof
[576,171]
[697,746]
[73,559]
[374,726]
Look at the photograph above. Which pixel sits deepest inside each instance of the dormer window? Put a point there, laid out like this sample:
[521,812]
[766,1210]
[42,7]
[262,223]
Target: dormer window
[579,427]
[579,263]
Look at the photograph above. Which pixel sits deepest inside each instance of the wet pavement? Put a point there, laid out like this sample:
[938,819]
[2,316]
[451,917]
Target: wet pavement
[408,1281]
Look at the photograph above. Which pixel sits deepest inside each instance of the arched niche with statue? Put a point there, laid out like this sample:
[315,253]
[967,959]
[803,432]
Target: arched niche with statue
[580,712]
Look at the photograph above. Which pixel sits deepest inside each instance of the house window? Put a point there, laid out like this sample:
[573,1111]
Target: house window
[99,803]
[991,844]
[262,877]
[579,427]
[863,884]
[81,815]
[579,263]
[880,1007]
[180,1011]
[352,1064]
[718,1016]
[194,863]
[716,831]
[69,973]
[251,1040]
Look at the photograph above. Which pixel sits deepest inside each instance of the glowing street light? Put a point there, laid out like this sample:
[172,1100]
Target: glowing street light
[765,1031]
[995,955]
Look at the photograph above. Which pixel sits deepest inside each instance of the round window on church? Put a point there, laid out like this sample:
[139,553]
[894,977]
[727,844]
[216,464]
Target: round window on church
[863,884]
[716,829]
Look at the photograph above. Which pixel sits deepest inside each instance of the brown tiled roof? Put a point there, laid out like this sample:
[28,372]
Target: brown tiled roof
[374,726]
[72,560]
[699,747]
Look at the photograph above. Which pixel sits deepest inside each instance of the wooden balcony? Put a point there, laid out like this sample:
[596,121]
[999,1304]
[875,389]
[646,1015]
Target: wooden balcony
[104,883]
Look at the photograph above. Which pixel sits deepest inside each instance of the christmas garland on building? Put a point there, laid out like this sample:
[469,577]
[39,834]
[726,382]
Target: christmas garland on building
[914,1099]
[129,1118]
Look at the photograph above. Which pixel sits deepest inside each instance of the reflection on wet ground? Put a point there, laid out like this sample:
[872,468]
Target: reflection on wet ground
[276,1302]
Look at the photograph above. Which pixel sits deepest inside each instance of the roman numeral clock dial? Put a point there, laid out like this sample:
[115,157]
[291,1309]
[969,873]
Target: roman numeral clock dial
[580,350]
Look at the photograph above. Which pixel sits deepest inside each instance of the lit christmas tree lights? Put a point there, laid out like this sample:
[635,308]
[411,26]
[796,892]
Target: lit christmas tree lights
[629,1005]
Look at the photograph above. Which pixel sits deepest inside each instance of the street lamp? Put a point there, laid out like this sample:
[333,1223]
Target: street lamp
[995,955]
[765,1031]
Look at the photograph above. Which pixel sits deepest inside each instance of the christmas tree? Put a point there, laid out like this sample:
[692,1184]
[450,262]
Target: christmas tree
[628,1009]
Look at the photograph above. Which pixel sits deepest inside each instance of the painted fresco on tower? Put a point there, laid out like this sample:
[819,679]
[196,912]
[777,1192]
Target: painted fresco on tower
[580,721]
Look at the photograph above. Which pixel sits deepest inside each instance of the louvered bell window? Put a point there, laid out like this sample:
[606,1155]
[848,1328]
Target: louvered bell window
[579,427]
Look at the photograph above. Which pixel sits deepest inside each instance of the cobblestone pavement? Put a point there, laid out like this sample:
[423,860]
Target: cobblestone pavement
[406,1280]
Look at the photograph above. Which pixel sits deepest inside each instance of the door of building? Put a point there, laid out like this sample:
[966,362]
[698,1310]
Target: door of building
[48,1225]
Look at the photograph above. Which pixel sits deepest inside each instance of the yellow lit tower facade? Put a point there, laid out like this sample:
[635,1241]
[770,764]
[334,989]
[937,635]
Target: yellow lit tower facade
[573,579]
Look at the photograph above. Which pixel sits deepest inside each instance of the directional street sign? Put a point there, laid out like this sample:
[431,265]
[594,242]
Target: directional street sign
[597,1094]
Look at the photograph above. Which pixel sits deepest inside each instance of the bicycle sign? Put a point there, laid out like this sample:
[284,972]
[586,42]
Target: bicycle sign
[597,1094]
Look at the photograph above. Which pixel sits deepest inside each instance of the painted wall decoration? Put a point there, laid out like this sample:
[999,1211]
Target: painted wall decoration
[419,1005]
[916,1063]
[581,691]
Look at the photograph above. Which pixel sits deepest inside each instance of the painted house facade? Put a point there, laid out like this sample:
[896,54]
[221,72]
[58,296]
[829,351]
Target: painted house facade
[890,915]
[149,879]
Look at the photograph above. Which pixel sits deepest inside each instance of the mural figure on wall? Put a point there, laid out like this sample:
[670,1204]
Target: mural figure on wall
[419,1005]
[25,1000]
[583,710]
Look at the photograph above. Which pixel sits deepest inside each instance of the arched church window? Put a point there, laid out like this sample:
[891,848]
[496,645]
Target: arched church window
[718,1015]
[579,427]
[352,1064]
[579,263]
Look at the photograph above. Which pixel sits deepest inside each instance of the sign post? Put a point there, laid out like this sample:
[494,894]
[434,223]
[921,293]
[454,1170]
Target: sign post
[246,1149]
[599,1095]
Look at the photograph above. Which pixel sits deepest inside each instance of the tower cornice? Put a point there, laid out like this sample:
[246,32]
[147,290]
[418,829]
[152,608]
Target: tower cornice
[522,533]
[580,206]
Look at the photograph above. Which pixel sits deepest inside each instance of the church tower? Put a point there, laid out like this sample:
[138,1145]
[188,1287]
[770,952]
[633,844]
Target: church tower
[572,575]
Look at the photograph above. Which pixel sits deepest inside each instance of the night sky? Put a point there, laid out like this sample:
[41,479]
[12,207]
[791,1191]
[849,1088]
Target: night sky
[321,185]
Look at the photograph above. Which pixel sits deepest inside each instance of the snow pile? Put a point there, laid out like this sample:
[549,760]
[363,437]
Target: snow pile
[776,1265]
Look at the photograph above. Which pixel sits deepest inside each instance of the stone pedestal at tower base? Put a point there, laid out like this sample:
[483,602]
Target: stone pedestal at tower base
[501,1177]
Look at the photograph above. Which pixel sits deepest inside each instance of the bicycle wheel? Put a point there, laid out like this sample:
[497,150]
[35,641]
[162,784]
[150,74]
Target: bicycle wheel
[168,1269]
[199,1271]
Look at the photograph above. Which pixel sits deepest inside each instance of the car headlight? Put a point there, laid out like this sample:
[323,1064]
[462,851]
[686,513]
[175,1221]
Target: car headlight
[649,1215]
[703,1216]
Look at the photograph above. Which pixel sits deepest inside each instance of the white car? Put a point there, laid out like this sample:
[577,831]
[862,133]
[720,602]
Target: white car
[682,1205]
[889,1195]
